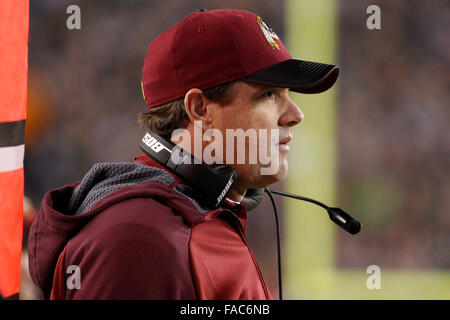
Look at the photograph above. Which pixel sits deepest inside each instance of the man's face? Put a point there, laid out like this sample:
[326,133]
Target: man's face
[260,111]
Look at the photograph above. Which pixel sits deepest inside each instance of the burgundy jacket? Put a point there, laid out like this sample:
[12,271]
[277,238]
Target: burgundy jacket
[135,231]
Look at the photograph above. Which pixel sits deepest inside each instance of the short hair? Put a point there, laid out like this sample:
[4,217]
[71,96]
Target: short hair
[166,118]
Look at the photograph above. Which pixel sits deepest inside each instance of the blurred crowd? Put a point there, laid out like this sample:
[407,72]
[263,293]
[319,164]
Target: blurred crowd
[392,119]
[393,134]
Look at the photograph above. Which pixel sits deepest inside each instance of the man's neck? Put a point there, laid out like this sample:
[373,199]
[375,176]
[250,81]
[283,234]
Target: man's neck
[237,193]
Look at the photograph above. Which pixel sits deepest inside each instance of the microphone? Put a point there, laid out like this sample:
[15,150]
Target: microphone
[337,215]
[344,220]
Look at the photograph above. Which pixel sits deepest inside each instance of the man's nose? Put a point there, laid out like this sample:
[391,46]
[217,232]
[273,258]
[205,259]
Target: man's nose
[292,115]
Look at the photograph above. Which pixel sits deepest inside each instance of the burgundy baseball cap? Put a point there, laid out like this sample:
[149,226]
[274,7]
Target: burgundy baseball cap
[209,48]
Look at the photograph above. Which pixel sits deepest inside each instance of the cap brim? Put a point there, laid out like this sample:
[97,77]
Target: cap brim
[297,75]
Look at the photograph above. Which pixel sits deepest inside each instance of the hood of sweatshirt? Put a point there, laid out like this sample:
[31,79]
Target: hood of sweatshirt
[66,210]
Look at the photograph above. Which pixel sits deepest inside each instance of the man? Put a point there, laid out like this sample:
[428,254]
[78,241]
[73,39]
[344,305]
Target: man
[142,230]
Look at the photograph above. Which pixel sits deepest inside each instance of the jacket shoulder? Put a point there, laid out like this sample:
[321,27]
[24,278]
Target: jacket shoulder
[134,249]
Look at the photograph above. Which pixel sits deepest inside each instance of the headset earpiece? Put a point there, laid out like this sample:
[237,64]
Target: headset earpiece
[213,184]
[253,198]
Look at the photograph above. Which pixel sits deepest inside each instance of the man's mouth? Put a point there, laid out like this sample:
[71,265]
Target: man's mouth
[283,144]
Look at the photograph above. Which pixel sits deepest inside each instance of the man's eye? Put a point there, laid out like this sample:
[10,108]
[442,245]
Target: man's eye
[269,94]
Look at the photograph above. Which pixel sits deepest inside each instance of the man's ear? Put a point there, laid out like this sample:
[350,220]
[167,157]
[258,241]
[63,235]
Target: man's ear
[196,106]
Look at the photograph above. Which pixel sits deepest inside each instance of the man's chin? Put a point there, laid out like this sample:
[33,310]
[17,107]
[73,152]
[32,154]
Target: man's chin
[281,174]
[267,180]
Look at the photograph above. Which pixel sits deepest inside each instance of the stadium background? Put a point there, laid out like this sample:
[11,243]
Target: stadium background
[376,145]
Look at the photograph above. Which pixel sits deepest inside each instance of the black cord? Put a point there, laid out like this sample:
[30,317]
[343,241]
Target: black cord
[338,216]
[280,287]
[290,195]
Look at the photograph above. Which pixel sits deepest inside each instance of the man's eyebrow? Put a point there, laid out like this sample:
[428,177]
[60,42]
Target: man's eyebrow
[265,88]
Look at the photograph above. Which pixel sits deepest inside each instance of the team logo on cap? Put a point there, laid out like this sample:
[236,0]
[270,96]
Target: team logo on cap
[268,33]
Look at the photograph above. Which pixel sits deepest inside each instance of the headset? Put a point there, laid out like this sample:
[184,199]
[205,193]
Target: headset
[214,183]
